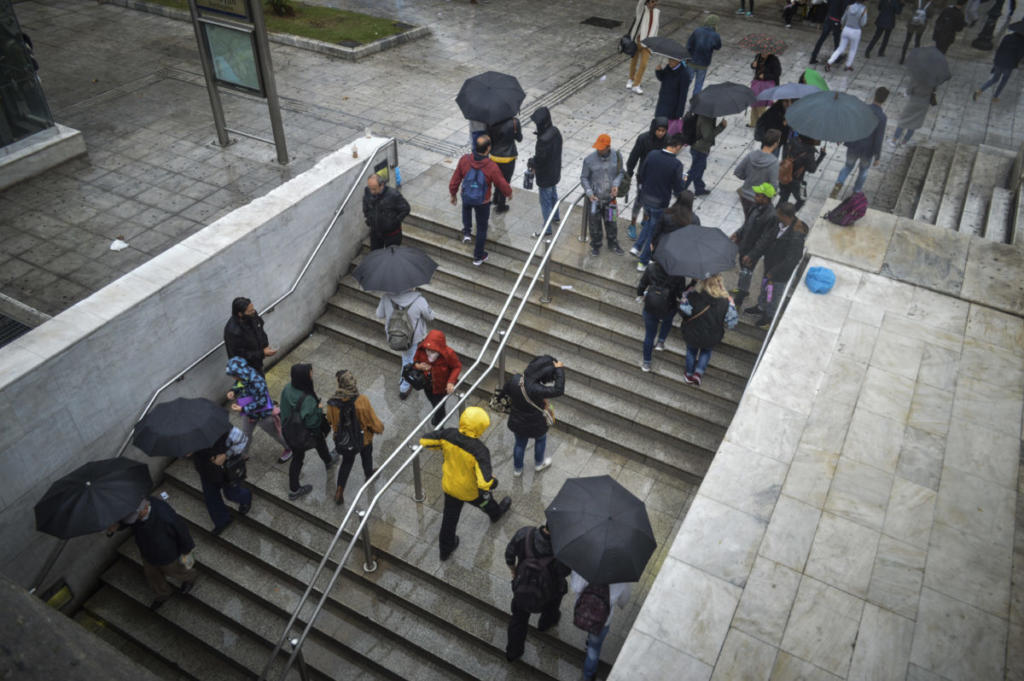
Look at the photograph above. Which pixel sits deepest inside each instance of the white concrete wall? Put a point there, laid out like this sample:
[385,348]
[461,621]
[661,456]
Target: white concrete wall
[71,389]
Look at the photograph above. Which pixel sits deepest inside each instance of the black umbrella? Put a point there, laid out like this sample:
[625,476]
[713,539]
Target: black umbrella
[600,530]
[666,47]
[723,99]
[832,116]
[928,66]
[395,269]
[696,252]
[490,97]
[1017,27]
[180,427]
[92,497]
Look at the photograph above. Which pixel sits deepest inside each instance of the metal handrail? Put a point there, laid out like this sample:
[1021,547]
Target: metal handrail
[392,143]
[413,458]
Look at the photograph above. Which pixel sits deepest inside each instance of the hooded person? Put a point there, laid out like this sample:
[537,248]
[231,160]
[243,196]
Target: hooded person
[761,219]
[546,163]
[304,426]
[252,398]
[504,135]
[354,423]
[701,46]
[435,358]
[528,394]
[465,474]
[655,138]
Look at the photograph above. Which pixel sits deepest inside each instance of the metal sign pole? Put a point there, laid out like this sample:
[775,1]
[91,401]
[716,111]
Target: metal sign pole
[263,48]
[211,85]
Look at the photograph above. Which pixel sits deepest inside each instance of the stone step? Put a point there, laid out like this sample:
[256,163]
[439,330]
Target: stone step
[884,198]
[934,183]
[1018,221]
[639,427]
[951,204]
[130,649]
[991,169]
[180,648]
[459,629]
[910,189]
[997,224]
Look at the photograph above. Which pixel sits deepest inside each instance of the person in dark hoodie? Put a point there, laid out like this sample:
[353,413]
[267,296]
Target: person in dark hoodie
[782,249]
[707,131]
[435,358]
[774,118]
[799,154]
[477,199]
[504,136]
[244,335]
[864,150]
[675,84]
[209,463]
[299,396]
[949,22]
[654,138]
[833,24]
[761,219]
[758,167]
[884,23]
[546,163]
[661,294]
[701,46]
[532,542]
[707,312]
[542,379]
[384,209]
[661,176]
[1008,56]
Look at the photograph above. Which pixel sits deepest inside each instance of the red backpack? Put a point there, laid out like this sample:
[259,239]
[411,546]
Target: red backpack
[849,211]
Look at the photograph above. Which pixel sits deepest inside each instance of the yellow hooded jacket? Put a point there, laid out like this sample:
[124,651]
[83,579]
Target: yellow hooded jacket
[467,462]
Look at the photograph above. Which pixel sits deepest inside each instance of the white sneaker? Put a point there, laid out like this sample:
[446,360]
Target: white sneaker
[542,466]
[645,366]
[629,84]
[640,266]
[517,472]
[637,89]
[635,253]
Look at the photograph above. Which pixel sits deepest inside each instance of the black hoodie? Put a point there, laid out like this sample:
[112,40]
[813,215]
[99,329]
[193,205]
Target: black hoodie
[646,143]
[547,157]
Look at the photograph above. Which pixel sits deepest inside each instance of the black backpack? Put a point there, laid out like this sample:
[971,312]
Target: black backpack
[690,129]
[658,300]
[592,608]
[348,436]
[533,587]
[294,430]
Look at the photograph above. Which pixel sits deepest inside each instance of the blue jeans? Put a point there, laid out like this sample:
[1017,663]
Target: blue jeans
[235,492]
[697,359]
[548,201]
[643,240]
[698,164]
[697,78]
[519,450]
[1000,74]
[906,138]
[652,330]
[594,643]
[483,214]
[407,356]
[862,174]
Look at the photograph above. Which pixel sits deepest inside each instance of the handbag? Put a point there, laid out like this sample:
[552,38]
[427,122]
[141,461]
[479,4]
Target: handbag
[549,413]
[234,469]
[500,403]
[627,45]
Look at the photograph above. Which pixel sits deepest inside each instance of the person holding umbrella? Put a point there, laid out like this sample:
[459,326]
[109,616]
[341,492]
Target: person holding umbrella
[304,426]
[434,358]
[660,294]
[244,335]
[540,579]
[1007,58]
[864,150]
[782,249]
[707,131]
[476,173]
[504,135]
[216,483]
[928,68]
[605,595]
[529,417]
[384,209]
[413,328]
[672,94]
[707,311]
[252,398]
[645,25]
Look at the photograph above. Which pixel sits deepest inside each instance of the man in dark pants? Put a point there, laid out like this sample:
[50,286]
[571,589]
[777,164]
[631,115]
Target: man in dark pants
[917,21]
[465,474]
[546,162]
[244,335]
[533,542]
[209,464]
[833,24]
[504,136]
[884,23]
[949,22]
[384,209]
[476,195]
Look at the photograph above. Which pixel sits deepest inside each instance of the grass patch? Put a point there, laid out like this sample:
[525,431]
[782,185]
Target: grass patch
[328,24]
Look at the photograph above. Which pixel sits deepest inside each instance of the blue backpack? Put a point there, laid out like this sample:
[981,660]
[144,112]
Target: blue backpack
[474,187]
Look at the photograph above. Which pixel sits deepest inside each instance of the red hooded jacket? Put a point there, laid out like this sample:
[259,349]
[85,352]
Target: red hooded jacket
[490,169]
[446,368]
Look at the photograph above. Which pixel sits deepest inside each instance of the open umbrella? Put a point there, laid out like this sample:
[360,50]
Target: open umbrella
[490,97]
[722,99]
[92,497]
[928,66]
[1017,27]
[763,43]
[695,251]
[600,530]
[180,427]
[831,116]
[814,77]
[666,47]
[395,269]
[788,91]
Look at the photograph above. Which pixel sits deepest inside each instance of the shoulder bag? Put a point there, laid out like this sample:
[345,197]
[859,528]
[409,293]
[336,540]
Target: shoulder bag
[549,413]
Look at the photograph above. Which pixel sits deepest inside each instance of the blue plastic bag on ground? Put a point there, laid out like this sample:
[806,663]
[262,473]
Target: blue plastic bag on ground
[820,279]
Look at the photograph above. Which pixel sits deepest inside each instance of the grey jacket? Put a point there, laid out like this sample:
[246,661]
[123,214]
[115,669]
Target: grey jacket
[418,309]
[599,175]
[756,168]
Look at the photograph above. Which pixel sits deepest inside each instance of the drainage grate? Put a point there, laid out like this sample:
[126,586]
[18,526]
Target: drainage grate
[601,23]
[10,329]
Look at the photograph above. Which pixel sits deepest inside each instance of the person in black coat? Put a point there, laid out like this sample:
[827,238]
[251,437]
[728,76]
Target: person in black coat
[761,219]
[515,554]
[384,209]
[1008,56]
[949,22]
[655,138]
[244,336]
[542,379]
[782,249]
[504,135]
[680,214]
[660,294]
[801,150]
[707,311]
[774,118]
[885,21]
[546,164]
[675,84]
[209,464]
[833,24]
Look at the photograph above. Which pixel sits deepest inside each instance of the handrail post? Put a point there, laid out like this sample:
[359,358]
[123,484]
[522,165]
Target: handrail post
[417,477]
[300,661]
[583,228]
[462,407]
[546,297]
[501,361]
[369,564]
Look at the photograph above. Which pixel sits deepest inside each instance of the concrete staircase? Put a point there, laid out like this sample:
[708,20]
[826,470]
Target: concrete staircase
[414,617]
[961,187]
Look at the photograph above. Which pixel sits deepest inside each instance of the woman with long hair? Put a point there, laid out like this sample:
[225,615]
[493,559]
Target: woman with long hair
[707,311]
